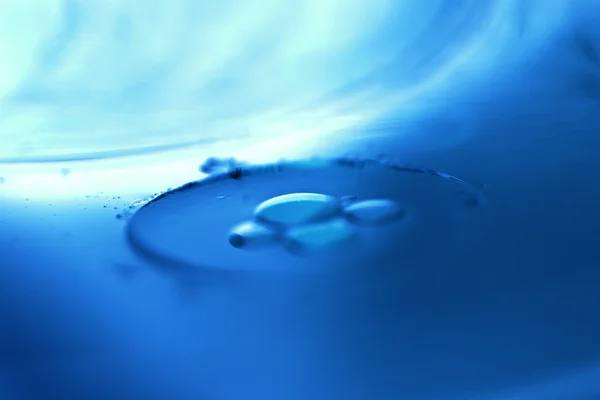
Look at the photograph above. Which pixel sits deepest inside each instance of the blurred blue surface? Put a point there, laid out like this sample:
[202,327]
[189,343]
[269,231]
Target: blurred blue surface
[103,103]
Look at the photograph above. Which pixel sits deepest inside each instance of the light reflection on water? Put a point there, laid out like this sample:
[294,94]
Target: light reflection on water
[97,79]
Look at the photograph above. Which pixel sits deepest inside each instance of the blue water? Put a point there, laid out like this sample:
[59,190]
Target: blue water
[115,286]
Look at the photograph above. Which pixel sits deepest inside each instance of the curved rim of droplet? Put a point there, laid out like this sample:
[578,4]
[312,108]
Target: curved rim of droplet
[245,170]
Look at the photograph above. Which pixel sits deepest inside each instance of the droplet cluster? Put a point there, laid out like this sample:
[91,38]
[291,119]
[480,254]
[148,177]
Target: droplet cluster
[311,221]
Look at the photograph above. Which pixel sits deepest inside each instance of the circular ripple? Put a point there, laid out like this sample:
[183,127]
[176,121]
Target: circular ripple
[190,226]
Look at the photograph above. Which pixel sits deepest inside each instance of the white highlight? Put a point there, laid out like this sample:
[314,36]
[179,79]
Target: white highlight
[105,75]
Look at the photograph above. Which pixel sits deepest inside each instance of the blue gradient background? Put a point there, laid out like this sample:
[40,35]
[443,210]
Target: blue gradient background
[103,103]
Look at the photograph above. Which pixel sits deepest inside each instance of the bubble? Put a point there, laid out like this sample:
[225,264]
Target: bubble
[298,207]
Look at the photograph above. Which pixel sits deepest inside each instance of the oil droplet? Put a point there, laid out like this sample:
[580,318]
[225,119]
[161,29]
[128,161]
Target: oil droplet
[251,235]
[319,236]
[373,211]
[297,208]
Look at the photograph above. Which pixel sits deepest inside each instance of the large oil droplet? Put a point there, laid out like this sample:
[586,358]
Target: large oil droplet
[191,226]
[297,208]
